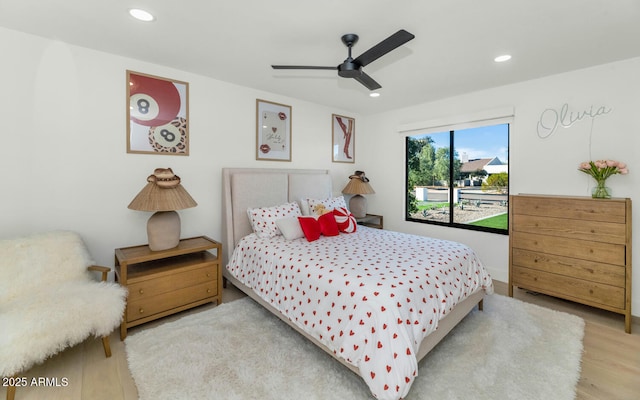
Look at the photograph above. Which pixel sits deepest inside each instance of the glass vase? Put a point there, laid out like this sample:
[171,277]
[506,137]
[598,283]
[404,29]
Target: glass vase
[601,191]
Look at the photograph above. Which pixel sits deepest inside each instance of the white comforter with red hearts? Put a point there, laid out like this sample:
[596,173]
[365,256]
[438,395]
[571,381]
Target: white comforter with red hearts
[370,296]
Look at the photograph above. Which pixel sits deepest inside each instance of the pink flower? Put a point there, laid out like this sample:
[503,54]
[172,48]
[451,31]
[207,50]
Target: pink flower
[600,164]
[600,170]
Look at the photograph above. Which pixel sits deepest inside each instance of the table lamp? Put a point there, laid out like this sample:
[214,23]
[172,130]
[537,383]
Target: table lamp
[163,194]
[357,186]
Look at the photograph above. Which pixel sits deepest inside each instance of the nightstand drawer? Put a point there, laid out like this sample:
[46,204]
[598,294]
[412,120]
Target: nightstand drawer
[168,283]
[164,302]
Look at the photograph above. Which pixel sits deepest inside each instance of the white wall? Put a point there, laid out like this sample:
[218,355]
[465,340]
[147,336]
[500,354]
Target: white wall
[64,162]
[541,166]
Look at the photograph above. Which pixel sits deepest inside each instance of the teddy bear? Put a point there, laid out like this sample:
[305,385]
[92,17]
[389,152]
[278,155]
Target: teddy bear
[320,209]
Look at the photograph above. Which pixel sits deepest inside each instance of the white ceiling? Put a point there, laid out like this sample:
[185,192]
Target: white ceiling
[452,53]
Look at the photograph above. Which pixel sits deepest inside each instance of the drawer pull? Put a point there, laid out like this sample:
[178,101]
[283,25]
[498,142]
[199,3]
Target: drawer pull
[208,275]
[141,291]
[208,290]
[141,311]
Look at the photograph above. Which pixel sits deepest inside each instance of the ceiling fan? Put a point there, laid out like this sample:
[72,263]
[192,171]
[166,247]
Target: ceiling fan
[352,68]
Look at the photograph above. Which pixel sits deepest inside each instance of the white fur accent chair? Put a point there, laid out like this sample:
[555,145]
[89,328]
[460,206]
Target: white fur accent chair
[49,300]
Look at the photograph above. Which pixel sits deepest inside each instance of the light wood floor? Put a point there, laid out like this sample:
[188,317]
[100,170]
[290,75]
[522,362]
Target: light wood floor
[610,363]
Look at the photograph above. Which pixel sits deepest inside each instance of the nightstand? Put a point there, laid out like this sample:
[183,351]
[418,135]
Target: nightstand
[371,220]
[165,282]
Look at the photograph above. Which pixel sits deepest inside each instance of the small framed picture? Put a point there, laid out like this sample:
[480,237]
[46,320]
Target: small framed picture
[343,131]
[157,115]
[273,131]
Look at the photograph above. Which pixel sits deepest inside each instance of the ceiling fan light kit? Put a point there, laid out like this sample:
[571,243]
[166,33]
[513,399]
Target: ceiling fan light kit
[352,68]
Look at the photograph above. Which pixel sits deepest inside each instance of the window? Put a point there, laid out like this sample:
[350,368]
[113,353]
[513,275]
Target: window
[459,178]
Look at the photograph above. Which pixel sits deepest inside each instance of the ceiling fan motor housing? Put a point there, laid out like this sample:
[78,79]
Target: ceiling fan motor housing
[349,69]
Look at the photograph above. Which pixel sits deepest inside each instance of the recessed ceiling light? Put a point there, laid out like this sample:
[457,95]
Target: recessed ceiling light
[503,58]
[141,15]
[374,94]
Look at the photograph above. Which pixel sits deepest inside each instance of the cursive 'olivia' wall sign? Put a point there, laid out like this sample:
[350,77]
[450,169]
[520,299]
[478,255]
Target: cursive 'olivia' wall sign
[551,119]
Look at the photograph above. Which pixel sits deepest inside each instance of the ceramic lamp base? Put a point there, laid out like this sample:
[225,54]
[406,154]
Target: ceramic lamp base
[358,206]
[163,230]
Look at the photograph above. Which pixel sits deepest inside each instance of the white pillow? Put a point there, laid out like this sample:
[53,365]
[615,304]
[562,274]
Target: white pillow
[304,206]
[263,219]
[330,203]
[290,228]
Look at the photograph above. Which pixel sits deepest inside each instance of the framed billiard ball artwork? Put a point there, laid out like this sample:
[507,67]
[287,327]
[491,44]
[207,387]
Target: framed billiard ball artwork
[343,132]
[273,131]
[157,115]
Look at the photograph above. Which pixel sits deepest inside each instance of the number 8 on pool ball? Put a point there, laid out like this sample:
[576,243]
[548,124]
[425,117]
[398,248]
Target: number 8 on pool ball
[152,102]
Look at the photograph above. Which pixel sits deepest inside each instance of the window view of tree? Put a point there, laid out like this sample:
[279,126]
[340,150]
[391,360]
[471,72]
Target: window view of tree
[459,178]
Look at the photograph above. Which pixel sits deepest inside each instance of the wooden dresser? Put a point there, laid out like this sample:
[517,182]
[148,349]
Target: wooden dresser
[575,248]
[164,282]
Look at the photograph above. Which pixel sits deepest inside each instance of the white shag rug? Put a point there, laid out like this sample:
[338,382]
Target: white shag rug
[238,351]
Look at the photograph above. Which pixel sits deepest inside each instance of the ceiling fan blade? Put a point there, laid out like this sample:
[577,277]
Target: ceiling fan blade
[368,81]
[302,67]
[396,40]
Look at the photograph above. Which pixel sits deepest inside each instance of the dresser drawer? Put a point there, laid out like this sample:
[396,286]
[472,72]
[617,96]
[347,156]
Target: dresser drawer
[569,288]
[608,274]
[152,305]
[570,208]
[156,285]
[581,249]
[606,232]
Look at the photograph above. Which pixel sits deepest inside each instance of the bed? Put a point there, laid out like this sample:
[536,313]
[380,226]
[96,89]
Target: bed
[377,301]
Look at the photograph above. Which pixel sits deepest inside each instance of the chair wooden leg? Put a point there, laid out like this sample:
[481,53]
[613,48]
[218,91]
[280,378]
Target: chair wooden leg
[11,392]
[107,347]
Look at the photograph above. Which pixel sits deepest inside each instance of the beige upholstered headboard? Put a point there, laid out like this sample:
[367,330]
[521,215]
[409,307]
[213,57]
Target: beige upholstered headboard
[243,188]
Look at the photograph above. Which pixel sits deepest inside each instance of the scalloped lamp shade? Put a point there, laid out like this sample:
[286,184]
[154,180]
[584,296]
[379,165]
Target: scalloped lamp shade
[163,227]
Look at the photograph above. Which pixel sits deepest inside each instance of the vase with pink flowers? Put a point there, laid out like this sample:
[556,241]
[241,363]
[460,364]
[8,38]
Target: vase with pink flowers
[600,170]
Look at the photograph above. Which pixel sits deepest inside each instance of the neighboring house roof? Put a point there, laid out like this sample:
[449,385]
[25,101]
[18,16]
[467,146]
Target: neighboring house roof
[491,165]
[474,165]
